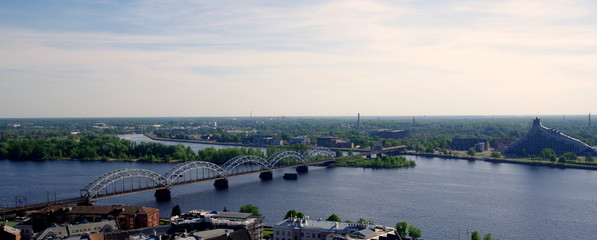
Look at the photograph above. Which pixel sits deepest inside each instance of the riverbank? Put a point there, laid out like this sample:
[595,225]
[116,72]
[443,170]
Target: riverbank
[156,138]
[585,166]
[386,162]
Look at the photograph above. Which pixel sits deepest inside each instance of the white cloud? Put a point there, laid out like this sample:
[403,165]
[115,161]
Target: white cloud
[330,58]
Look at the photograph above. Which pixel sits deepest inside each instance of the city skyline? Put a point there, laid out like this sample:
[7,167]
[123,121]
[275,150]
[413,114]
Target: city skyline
[299,58]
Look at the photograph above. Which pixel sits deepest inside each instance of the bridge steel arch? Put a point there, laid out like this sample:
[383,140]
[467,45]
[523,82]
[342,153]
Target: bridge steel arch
[93,189]
[274,159]
[319,151]
[181,168]
[251,160]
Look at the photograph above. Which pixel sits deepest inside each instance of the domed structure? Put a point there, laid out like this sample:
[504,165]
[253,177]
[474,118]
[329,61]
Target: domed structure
[540,137]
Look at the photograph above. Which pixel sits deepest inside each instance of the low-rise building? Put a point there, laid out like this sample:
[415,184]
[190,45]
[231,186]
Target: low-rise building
[128,217]
[262,140]
[80,229]
[299,140]
[464,144]
[333,142]
[386,133]
[327,141]
[307,229]
[202,220]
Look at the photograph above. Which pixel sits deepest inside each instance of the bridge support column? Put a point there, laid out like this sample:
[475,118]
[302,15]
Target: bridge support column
[162,194]
[221,183]
[302,169]
[266,176]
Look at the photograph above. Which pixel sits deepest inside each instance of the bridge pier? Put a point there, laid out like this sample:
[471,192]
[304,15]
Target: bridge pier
[221,183]
[162,194]
[266,176]
[302,169]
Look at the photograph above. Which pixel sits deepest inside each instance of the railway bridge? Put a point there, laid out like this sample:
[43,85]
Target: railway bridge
[128,181]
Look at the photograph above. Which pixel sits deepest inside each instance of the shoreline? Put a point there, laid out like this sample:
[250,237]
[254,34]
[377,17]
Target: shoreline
[512,161]
[153,137]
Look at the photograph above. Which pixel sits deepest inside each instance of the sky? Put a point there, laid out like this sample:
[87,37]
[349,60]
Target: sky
[97,58]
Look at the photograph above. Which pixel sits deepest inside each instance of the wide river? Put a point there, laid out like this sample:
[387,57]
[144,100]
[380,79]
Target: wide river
[445,198]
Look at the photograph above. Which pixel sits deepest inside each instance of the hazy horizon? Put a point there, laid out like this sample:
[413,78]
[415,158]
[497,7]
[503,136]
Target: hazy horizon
[88,59]
[363,117]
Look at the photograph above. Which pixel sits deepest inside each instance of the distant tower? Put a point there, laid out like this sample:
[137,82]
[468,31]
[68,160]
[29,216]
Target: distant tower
[589,119]
[358,120]
[563,117]
[251,114]
[413,119]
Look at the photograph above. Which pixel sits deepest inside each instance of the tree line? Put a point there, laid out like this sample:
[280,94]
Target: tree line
[379,162]
[94,146]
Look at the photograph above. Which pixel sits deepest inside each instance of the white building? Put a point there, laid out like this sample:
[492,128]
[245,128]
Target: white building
[307,229]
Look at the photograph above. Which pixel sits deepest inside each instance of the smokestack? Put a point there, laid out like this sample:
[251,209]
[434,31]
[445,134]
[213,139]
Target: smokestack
[358,120]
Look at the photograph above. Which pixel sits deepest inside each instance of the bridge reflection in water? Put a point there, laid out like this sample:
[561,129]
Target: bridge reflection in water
[128,181]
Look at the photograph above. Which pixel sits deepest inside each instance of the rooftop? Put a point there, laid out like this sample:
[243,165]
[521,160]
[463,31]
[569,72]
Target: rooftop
[324,225]
[100,210]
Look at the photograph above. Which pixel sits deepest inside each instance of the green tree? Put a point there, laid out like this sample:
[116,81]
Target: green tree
[294,213]
[475,235]
[589,158]
[176,211]
[496,154]
[365,221]
[290,213]
[487,236]
[471,152]
[338,153]
[553,158]
[547,153]
[402,229]
[444,150]
[570,156]
[334,218]
[414,232]
[253,210]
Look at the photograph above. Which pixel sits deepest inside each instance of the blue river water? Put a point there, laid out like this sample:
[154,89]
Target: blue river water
[446,198]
